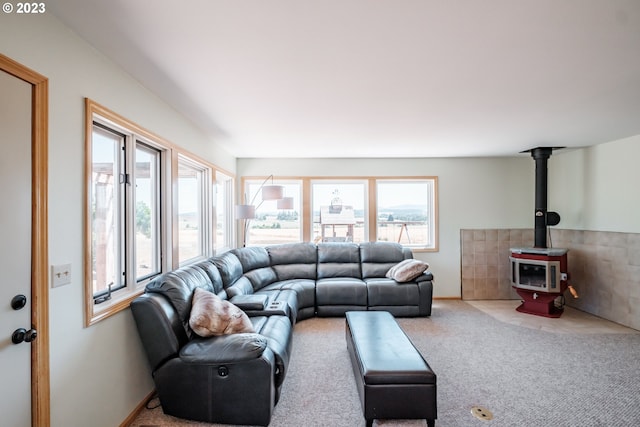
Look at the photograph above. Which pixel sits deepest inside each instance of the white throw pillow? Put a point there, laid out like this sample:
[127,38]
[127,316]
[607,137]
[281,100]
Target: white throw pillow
[407,270]
[211,315]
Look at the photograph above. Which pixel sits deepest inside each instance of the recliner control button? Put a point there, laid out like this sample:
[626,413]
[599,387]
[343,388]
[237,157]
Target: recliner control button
[223,371]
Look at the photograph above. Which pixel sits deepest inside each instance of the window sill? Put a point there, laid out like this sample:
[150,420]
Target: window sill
[97,312]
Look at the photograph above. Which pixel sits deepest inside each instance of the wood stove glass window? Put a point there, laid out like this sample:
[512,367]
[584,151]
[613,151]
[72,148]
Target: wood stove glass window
[532,275]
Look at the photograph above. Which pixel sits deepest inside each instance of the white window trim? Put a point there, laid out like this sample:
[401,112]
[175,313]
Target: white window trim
[228,229]
[206,210]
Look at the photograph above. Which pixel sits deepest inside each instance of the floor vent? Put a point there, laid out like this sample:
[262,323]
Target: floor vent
[481,413]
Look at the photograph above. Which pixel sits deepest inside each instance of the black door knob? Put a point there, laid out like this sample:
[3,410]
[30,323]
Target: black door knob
[18,335]
[31,335]
[22,335]
[18,302]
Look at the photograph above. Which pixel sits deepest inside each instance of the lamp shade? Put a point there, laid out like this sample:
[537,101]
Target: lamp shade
[245,211]
[272,192]
[285,203]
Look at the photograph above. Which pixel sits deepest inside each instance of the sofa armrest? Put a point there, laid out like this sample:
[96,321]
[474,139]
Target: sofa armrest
[161,330]
[425,287]
[224,349]
[274,308]
[250,302]
[426,276]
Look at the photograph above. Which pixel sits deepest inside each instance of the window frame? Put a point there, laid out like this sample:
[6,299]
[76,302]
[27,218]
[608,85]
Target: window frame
[246,196]
[223,202]
[167,210]
[431,182]
[204,192]
[156,210]
[132,134]
[366,218]
[371,207]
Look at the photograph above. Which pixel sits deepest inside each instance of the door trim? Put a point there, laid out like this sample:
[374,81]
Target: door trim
[40,375]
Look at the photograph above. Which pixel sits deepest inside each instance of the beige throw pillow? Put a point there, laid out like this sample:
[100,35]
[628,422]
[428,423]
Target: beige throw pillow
[407,270]
[213,316]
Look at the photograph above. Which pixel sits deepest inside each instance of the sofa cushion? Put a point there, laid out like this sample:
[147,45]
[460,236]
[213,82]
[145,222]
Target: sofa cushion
[214,275]
[407,270]
[305,290]
[177,286]
[388,292]
[261,277]
[252,258]
[378,257]
[294,260]
[341,291]
[229,267]
[338,260]
[256,266]
[213,316]
[242,286]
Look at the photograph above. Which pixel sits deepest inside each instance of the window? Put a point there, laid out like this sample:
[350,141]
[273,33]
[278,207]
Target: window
[124,212]
[339,211]
[194,210]
[106,210]
[224,212]
[405,212]
[272,223]
[147,212]
[149,209]
[395,209]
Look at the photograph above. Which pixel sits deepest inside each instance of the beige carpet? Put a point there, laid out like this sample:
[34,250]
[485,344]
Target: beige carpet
[524,376]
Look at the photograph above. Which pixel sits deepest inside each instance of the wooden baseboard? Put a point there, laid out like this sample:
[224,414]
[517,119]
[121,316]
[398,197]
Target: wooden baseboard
[141,406]
[447,298]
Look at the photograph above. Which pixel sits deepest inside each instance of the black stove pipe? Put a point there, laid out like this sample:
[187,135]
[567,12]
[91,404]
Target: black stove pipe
[542,217]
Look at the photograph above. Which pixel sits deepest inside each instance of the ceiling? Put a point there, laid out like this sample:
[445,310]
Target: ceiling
[380,78]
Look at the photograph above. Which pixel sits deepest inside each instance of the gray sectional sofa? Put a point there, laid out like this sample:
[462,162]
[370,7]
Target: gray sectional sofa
[236,379]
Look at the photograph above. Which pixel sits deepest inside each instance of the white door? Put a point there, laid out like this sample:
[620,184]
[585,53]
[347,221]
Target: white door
[15,250]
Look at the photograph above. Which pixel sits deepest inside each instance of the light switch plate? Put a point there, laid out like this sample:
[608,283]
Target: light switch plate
[60,275]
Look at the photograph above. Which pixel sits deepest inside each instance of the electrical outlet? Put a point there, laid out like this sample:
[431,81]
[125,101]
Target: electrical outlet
[60,275]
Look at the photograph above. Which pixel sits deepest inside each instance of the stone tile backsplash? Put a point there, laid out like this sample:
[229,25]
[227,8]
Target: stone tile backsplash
[604,267]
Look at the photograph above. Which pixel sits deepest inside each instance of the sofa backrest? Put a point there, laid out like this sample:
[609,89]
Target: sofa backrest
[230,269]
[256,266]
[178,285]
[246,270]
[338,260]
[212,271]
[294,260]
[378,257]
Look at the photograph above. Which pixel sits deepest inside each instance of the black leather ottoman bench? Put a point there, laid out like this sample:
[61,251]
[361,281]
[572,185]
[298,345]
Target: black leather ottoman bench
[394,381]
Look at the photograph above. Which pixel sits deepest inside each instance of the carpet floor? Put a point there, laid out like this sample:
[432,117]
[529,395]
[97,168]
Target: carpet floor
[521,376]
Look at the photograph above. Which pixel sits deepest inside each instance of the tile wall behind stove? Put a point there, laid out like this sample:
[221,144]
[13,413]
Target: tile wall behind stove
[604,267]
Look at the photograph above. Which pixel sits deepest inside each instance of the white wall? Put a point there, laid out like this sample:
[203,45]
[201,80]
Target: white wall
[98,374]
[596,188]
[473,193]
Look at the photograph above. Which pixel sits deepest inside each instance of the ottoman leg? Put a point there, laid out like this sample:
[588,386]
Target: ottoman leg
[431,423]
[369,423]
